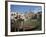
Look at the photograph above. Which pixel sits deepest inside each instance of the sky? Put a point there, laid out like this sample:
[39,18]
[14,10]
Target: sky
[25,8]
